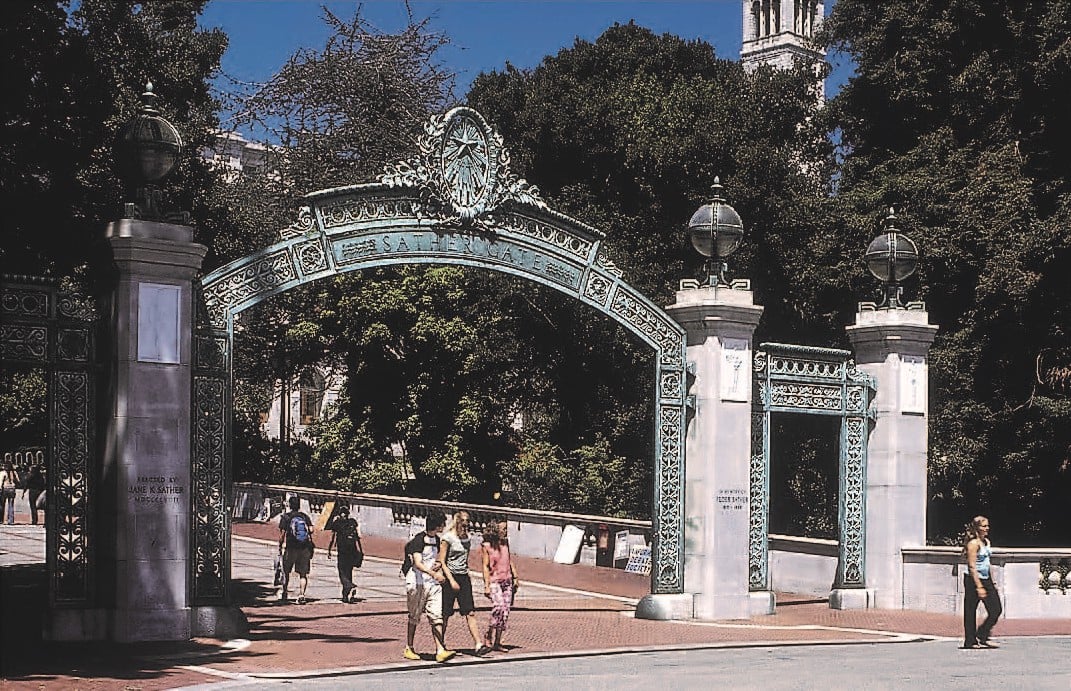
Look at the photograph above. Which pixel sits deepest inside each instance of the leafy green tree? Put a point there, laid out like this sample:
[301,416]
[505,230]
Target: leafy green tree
[72,77]
[627,134]
[72,82]
[956,116]
[336,116]
[590,479]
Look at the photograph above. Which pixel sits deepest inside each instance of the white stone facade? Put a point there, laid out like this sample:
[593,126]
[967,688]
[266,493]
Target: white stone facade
[234,155]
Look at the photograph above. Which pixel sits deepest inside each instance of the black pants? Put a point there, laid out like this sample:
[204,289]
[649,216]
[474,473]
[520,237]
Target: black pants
[346,564]
[971,636]
[34,494]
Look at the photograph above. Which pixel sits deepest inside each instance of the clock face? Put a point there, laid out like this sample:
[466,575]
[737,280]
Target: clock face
[466,163]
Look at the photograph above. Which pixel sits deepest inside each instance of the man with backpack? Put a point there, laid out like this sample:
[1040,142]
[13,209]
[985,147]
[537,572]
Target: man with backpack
[295,543]
[423,586]
[346,537]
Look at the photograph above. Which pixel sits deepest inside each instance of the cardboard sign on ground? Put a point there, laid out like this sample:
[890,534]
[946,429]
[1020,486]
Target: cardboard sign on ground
[325,513]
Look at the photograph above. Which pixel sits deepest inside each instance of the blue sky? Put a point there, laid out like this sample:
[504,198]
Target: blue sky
[484,35]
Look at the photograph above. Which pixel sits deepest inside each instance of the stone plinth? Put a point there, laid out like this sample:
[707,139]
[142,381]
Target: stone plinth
[892,346]
[147,431]
[720,323]
[143,523]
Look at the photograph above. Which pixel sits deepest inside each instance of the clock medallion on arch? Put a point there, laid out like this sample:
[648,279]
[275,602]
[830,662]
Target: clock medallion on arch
[469,162]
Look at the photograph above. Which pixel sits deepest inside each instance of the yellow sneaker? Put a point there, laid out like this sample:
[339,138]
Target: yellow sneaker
[444,655]
[408,654]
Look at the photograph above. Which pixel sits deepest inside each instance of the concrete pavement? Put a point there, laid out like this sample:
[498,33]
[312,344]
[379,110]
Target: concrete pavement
[561,611]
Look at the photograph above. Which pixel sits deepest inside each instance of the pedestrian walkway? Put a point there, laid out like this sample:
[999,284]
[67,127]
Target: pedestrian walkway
[561,610]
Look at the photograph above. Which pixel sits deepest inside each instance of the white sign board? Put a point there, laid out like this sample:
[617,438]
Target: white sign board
[621,545]
[639,560]
[912,384]
[158,323]
[569,547]
[735,369]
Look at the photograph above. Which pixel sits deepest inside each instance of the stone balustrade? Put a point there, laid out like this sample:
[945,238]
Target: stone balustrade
[532,533]
[1033,582]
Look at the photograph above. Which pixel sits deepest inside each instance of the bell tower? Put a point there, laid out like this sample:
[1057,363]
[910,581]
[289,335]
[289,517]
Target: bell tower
[780,32]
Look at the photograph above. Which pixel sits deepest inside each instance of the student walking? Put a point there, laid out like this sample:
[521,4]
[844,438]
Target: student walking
[34,487]
[423,587]
[978,586]
[500,581]
[9,485]
[454,554]
[346,537]
[295,543]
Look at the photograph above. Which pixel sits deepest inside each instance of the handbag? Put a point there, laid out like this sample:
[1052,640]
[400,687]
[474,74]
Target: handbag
[277,567]
[358,558]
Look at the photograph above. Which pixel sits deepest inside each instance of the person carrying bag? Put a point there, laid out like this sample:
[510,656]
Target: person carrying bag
[346,539]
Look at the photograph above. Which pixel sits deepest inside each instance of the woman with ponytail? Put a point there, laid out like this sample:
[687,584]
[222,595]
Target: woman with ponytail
[978,586]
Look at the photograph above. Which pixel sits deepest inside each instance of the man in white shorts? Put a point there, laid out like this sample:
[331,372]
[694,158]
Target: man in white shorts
[423,587]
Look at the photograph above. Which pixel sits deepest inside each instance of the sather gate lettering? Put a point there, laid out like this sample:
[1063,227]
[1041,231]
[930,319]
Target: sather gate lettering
[457,202]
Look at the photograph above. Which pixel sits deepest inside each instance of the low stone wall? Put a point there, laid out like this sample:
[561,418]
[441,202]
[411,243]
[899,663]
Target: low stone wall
[532,533]
[933,576]
[803,565]
[1033,583]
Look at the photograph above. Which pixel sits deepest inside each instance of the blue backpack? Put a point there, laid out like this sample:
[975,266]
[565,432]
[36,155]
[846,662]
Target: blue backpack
[299,529]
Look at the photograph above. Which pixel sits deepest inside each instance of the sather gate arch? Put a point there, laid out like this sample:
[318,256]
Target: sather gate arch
[456,202]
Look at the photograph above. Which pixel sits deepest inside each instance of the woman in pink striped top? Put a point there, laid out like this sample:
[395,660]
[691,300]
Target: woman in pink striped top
[499,581]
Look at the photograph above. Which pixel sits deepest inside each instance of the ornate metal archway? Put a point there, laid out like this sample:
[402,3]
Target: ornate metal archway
[815,381]
[457,202]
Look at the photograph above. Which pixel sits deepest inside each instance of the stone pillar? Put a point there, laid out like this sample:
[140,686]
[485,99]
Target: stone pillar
[145,481]
[892,346]
[720,323]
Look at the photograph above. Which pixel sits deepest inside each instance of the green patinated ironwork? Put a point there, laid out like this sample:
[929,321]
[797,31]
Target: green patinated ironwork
[210,471]
[457,202]
[50,325]
[813,381]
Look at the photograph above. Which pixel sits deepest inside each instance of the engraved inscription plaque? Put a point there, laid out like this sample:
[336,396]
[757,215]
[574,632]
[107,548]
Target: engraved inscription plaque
[158,323]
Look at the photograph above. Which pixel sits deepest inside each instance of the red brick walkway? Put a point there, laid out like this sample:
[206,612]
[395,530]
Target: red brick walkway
[291,640]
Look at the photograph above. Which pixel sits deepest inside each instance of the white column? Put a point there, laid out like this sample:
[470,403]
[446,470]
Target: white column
[892,346]
[720,323]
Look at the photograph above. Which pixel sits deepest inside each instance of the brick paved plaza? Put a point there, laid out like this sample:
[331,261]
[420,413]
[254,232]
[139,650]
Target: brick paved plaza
[561,610]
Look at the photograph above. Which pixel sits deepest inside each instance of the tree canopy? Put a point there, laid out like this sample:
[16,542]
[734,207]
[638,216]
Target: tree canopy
[956,116]
[73,77]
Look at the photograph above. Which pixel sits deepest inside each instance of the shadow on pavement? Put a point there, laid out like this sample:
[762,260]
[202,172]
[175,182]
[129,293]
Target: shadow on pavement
[28,657]
[792,603]
[249,593]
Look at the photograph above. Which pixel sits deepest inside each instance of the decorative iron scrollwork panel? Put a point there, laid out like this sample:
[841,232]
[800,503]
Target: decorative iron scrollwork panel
[74,345]
[759,519]
[24,302]
[49,325]
[23,342]
[311,257]
[668,573]
[209,511]
[823,381]
[69,485]
[656,326]
[851,572]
